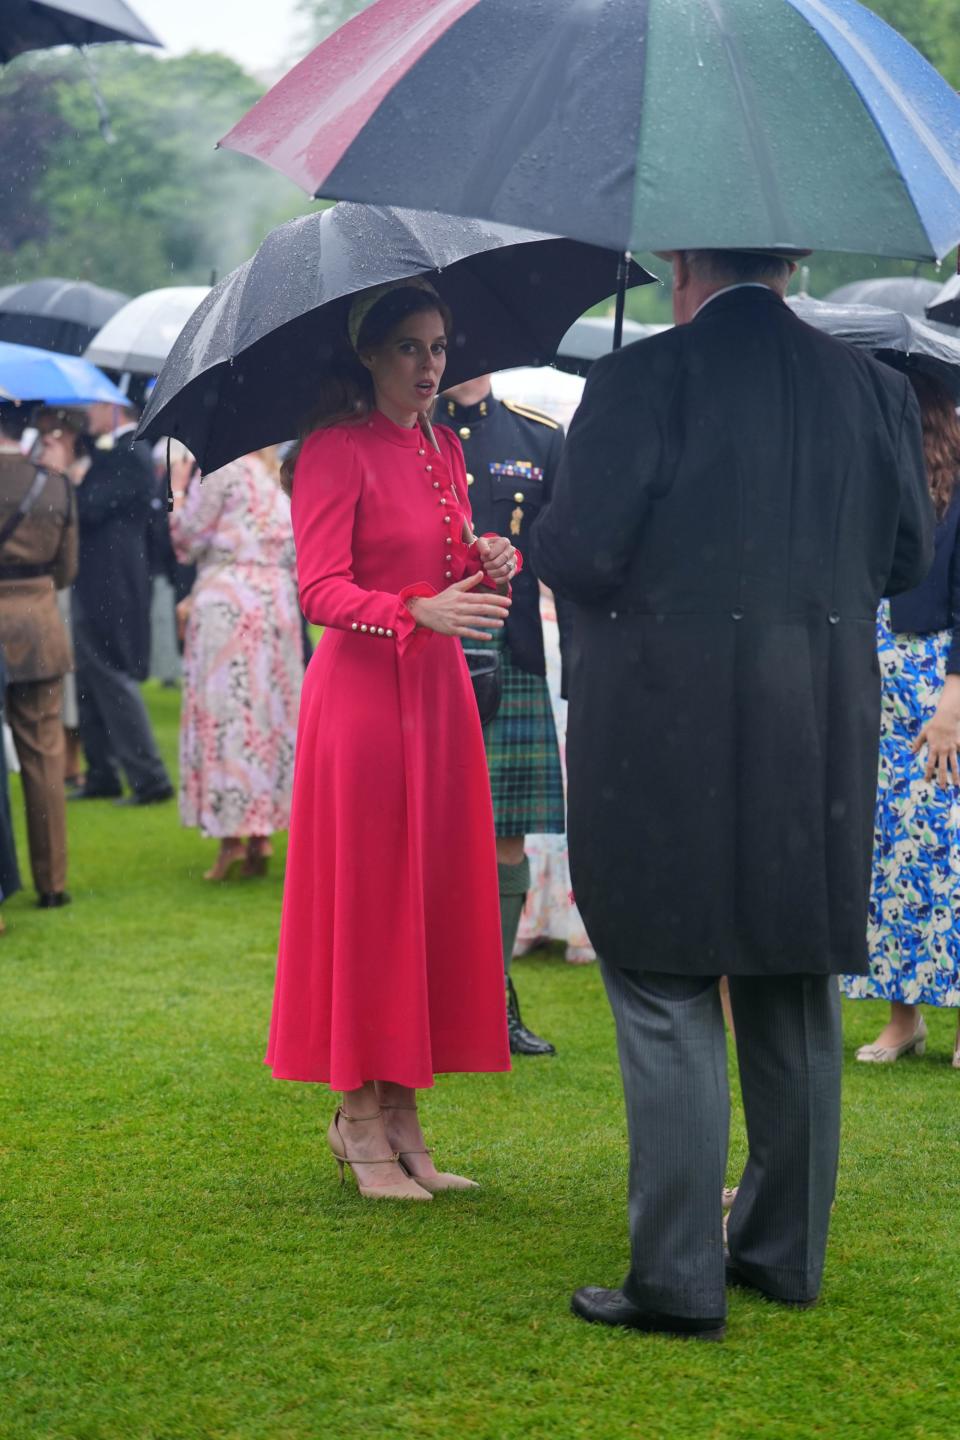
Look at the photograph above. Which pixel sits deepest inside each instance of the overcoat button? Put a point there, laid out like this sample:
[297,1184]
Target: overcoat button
[363,629]
[389,634]
[737,614]
[469,478]
[354,626]
[834,618]
[428,468]
[421,452]
[380,630]
[436,484]
[518,496]
[464,432]
[446,519]
[448,575]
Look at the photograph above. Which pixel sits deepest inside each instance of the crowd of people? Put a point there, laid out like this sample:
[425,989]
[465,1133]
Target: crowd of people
[752,543]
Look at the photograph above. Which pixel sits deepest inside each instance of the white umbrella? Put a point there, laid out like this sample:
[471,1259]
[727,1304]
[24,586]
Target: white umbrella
[140,336]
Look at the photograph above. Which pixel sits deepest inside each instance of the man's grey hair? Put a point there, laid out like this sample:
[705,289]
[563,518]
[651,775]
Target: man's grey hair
[739,267]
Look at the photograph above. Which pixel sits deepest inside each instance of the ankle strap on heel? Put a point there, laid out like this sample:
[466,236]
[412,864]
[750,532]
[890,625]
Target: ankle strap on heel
[355,1119]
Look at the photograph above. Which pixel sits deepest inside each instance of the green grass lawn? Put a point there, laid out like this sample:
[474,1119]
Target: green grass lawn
[178,1260]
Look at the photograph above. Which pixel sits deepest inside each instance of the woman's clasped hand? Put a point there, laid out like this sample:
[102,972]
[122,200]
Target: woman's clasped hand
[499,558]
[460,610]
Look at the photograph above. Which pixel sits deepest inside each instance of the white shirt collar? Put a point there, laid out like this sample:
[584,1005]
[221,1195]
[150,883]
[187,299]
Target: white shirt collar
[124,429]
[744,285]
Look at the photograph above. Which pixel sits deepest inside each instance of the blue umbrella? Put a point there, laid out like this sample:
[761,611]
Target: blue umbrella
[27,373]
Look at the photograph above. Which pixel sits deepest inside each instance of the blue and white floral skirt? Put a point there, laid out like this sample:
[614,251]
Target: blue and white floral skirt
[914,922]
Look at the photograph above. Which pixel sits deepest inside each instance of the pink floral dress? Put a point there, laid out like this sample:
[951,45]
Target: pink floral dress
[243,655]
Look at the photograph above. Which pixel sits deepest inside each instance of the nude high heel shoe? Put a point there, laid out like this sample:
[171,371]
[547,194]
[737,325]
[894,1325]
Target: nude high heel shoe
[887,1054]
[434,1183]
[404,1189]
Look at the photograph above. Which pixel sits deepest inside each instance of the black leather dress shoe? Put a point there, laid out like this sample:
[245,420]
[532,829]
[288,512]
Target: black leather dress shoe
[53,900]
[147,797]
[736,1280]
[84,793]
[611,1307]
[522,1040]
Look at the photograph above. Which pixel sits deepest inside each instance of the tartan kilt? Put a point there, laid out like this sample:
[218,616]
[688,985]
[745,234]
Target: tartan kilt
[523,756]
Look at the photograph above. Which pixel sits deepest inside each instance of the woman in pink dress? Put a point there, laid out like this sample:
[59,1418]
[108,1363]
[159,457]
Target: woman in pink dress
[390,967]
[242,660]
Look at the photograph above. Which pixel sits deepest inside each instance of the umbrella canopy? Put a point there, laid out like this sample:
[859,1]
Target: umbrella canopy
[245,370]
[138,338]
[592,336]
[54,314]
[41,24]
[636,124]
[28,374]
[944,306]
[910,294]
[899,340]
[555,393]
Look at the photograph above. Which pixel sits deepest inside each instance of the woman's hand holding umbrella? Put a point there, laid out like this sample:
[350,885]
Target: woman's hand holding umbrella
[455,611]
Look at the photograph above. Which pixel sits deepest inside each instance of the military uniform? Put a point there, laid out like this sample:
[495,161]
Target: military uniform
[38,558]
[512,453]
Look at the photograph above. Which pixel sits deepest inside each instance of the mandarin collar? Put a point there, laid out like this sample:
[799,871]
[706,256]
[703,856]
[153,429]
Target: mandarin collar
[411,438]
[454,415]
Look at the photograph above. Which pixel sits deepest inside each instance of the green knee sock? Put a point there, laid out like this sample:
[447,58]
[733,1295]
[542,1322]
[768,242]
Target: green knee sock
[514,882]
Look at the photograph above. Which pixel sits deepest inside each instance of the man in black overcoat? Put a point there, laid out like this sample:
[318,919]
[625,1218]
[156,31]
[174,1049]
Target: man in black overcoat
[735,498]
[111,613]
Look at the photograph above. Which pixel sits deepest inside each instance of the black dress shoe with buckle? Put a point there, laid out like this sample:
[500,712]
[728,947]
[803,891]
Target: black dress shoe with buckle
[736,1280]
[52,900]
[522,1040]
[612,1307]
[147,797]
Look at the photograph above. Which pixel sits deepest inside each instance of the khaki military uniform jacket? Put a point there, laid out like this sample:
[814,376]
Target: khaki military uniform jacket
[33,637]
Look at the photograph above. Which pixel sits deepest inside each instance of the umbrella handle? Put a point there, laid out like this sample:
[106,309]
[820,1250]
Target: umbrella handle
[623,271]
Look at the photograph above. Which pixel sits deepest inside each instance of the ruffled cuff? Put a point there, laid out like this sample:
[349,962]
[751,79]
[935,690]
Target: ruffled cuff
[411,637]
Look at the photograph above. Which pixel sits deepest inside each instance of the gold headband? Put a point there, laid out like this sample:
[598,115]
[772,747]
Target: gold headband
[367,299]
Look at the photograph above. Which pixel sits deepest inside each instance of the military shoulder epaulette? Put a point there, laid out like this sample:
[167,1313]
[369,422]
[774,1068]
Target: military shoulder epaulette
[530,414]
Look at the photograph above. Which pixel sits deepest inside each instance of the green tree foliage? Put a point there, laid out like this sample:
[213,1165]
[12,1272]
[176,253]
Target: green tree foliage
[159,206]
[322,17]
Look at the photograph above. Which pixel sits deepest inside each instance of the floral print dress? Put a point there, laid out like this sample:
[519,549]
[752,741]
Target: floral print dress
[914,921]
[243,653]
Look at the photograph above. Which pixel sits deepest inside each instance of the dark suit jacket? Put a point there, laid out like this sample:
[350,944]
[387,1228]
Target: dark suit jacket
[112,593]
[735,497]
[935,603]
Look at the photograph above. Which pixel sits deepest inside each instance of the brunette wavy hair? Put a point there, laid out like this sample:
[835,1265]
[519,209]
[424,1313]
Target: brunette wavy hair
[941,438]
[345,392]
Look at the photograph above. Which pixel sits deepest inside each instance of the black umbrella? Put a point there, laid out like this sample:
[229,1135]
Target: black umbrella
[245,369]
[945,305]
[61,315]
[41,24]
[899,340]
[906,293]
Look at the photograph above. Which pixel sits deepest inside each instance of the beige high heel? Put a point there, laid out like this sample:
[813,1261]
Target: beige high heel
[405,1189]
[433,1183]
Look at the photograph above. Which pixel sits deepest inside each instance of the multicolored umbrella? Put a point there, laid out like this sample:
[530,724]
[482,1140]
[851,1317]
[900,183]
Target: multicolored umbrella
[247,366]
[634,124]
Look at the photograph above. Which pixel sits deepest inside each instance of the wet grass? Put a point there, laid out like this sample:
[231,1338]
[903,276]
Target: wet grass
[179,1262]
